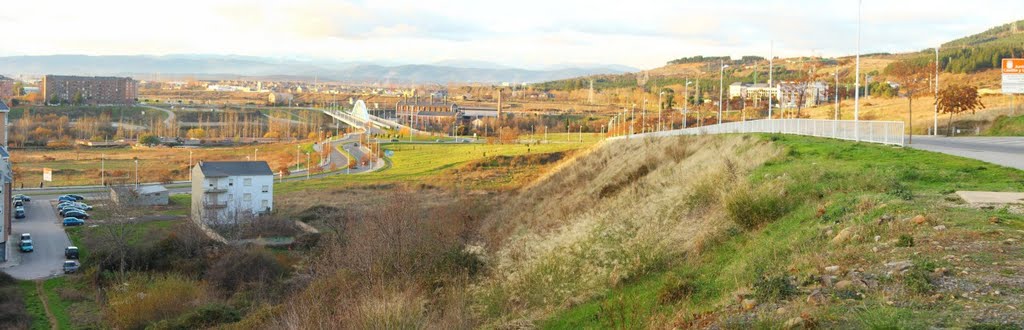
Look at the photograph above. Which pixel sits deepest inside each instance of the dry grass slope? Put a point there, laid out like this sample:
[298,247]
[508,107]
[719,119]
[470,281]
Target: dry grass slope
[622,210]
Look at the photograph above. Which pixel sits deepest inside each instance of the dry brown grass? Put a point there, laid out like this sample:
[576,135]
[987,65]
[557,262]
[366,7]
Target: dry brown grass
[612,215]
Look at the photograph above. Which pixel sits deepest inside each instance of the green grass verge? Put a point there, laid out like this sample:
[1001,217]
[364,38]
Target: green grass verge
[34,305]
[419,162]
[58,306]
[1007,126]
[824,172]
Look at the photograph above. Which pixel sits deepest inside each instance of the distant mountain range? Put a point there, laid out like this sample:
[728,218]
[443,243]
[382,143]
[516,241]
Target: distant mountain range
[234,67]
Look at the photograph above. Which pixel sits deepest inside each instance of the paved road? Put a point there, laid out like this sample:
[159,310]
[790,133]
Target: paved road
[170,114]
[1006,151]
[48,238]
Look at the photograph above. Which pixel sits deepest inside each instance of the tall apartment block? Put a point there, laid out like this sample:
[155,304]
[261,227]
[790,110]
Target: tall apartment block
[89,90]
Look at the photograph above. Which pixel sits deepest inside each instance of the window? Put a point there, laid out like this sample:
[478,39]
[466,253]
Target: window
[247,197]
[248,182]
[266,188]
[231,182]
[265,204]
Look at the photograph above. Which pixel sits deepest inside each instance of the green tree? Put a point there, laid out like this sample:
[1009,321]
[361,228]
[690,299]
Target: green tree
[957,99]
[149,140]
[78,99]
[669,98]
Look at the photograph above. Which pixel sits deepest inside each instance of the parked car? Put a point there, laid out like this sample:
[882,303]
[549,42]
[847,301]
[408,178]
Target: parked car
[69,222]
[71,266]
[18,203]
[71,252]
[26,246]
[64,210]
[23,198]
[72,198]
[76,214]
[83,206]
[26,237]
[19,212]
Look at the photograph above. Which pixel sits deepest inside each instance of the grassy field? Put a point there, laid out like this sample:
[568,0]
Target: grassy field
[831,186]
[422,163]
[82,166]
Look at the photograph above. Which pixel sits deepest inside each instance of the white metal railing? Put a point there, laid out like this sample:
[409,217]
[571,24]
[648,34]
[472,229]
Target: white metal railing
[872,131]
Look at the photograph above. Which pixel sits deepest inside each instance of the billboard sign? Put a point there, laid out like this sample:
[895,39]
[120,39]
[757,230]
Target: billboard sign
[47,174]
[1013,75]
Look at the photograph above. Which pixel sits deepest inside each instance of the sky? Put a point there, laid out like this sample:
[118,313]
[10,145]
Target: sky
[524,33]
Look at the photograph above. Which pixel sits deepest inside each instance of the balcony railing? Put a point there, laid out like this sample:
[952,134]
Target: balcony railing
[216,191]
[211,205]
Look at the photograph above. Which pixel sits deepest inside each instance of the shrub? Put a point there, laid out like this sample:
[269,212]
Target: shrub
[917,278]
[675,288]
[905,240]
[203,317]
[240,267]
[899,190]
[773,287]
[751,209]
[144,300]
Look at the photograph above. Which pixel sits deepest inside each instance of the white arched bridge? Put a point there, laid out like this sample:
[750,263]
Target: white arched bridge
[360,117]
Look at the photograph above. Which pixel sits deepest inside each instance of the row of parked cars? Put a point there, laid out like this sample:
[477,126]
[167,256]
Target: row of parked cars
[19,205]
[73,209]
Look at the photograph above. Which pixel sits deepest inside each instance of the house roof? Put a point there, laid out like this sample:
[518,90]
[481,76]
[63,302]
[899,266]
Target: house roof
[220,169]
[3,107]
[150,189]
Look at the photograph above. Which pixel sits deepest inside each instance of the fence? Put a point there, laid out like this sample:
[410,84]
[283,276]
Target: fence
[882,132]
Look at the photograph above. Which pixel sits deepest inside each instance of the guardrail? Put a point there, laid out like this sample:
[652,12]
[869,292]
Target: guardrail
[872,131]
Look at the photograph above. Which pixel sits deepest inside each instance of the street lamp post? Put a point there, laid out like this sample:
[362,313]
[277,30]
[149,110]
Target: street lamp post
[686,101]
[660,107]
[103,169]
[254,153]
[856,92]
[935,128]
[643,117]
[721,92]
[136,173]
[307,166]
[190,166]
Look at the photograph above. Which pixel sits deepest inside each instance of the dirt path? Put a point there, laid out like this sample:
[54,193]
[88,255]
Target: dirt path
[46,305]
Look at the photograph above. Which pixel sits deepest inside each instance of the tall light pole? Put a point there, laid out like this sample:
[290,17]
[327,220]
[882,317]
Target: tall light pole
[856,92]
[307,166]
[136,173]
[935,128]
[686,101]
[190,166]
[721,91]
[297,147]
[660,108]
[254,153]
[103,170]
[771,71]
[643,117]
[632,118]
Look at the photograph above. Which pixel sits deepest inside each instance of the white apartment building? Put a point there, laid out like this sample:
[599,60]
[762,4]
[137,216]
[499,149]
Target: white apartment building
[753,91]
[229,192]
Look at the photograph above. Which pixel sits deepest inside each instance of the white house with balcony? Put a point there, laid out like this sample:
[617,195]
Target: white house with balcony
[225,193]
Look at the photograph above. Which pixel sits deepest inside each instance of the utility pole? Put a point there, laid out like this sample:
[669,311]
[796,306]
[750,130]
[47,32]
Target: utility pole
[660,106]
[103,170]
[643,117]
[856,92]
[190,166]
[136,173]
[307,166]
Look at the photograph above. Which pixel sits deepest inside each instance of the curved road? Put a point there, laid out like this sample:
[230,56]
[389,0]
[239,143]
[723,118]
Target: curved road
[1006,151]
[170,114]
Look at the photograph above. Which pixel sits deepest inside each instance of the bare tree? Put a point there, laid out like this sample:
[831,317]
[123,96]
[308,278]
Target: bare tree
[912,79]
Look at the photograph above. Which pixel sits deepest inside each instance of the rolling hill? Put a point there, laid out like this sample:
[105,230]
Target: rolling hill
[231,67]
